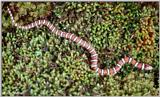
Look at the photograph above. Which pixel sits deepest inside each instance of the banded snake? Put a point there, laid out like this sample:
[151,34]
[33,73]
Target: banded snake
[87,46]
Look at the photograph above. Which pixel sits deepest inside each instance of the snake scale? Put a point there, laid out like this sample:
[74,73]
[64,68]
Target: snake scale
[87,46]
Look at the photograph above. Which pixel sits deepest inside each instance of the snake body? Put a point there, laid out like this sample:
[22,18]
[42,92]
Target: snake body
[87,46]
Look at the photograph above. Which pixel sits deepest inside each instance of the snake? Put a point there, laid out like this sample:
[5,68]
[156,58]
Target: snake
[84,44]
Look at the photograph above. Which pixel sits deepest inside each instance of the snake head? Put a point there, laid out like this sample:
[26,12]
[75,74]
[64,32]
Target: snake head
[148,67]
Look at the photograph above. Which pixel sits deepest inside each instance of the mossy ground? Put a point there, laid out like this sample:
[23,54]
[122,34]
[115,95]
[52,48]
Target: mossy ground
[37,62]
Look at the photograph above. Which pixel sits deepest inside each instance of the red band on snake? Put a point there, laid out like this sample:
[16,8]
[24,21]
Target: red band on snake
[87,46]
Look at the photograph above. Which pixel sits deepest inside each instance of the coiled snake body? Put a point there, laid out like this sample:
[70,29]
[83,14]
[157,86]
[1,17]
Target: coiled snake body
[87,46]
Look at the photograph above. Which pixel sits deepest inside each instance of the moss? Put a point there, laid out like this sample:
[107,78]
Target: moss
[36,62]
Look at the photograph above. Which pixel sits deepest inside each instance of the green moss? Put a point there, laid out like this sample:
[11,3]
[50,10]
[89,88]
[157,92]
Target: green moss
[37,62]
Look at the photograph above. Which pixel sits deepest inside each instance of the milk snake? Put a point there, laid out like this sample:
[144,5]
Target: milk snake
[87,46]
